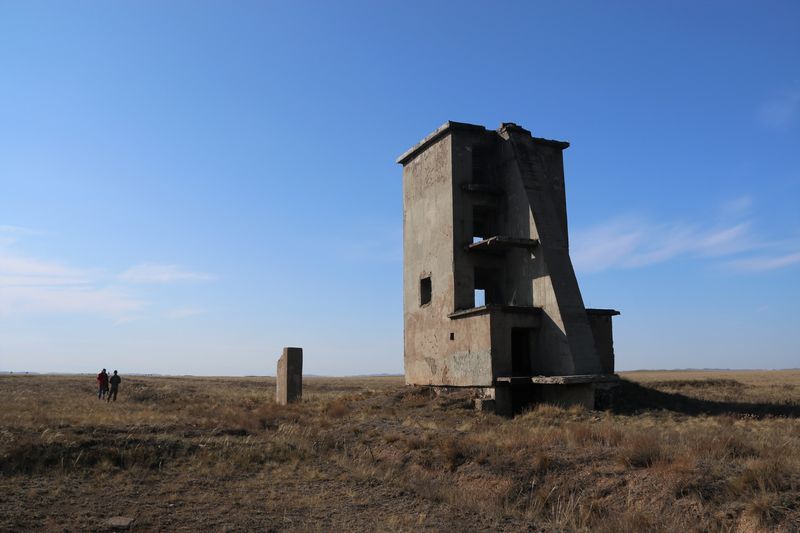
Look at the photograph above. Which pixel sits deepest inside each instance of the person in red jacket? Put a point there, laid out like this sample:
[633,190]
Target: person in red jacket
[102,384]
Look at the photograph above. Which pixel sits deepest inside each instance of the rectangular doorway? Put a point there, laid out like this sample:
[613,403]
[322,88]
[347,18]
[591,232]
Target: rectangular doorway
[521,341]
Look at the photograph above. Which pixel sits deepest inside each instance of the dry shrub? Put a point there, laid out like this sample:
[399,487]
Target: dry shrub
[580,433]
[541,462]
[392,436]
[607,434]
[415,442]
[642,450]
[767,509]
[560,504]
[138,391]
[547,411]
[604,433]
[242,422]
[576,409]
[725,443]
[630,519]
[337,409]
[415,397]
[453,452]
[773,474]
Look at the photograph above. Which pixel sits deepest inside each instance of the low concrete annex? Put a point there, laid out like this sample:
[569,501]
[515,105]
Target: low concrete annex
[490,296]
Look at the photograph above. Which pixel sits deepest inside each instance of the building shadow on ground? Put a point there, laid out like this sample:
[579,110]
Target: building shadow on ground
[629,398]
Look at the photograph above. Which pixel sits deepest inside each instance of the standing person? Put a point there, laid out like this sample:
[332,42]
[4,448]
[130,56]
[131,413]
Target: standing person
[115,381]
[102,384]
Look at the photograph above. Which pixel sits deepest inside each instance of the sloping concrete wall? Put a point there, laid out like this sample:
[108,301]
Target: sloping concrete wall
[566,341]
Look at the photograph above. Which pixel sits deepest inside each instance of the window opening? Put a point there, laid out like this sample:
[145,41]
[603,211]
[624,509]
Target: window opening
[482,223]
[425,291]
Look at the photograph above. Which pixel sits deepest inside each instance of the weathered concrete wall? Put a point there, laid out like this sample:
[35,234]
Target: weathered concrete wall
[437,350]
[289,383]
[458,354]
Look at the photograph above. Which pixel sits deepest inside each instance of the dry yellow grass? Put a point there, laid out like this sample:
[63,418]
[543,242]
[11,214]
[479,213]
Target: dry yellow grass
[679,451]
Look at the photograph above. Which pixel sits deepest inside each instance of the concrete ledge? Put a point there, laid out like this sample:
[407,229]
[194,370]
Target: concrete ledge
[608,312]
[501,243]
[486,309]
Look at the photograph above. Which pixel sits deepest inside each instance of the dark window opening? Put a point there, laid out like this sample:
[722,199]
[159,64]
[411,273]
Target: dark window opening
[488,286]
[483,223]
[521,343]
[452,336]
[482,169]
[425,291]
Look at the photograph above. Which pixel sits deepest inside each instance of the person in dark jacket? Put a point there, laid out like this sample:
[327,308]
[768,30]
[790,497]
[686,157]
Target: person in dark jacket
[102,384]
[115,381]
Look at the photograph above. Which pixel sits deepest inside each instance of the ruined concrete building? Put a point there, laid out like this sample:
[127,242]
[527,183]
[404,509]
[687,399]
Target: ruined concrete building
[490,296]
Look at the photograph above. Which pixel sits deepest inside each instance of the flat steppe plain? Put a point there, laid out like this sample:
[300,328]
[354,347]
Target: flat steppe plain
[668,451]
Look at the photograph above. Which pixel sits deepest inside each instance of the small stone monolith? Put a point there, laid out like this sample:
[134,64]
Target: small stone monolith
[289,387]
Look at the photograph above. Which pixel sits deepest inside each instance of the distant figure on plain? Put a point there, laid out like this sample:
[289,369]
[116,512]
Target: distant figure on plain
[115,381]
[102,384]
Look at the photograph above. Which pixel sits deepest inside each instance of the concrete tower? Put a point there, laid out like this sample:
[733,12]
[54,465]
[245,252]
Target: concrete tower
[490,296]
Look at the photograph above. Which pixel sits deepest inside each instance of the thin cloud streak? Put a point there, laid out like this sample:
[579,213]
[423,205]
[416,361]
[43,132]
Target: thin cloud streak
[158,273]
[103,300]
[30,285]
[632,242]
[759,264]
[34,285]
[18,230]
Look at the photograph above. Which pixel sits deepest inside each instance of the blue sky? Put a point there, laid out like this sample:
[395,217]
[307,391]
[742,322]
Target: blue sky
[186,187]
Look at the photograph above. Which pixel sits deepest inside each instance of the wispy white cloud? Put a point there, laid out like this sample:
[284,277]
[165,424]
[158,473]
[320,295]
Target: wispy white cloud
[10,234]
[158,273]
[782,110]
[635,241]
[19,270]
[632,242]
[112,301]
[184,312]
[32,285]
[18,230]
[761,263]
[39,285]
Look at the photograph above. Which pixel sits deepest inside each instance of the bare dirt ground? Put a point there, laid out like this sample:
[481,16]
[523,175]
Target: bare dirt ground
[670,451]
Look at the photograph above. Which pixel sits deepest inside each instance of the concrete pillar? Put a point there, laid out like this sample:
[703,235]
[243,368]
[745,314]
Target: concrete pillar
[289,387]
[504,403]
